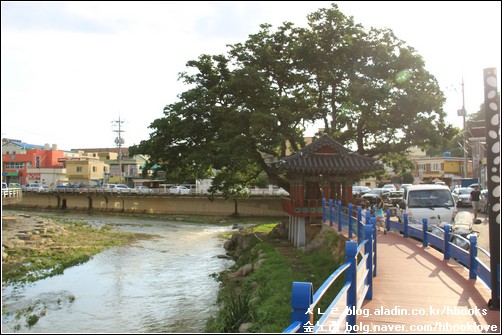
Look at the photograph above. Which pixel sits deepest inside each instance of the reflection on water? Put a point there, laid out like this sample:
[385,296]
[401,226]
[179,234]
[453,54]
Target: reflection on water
[156,285]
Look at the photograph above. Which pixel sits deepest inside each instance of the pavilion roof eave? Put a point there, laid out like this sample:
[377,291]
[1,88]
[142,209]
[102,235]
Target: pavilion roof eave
[325,155]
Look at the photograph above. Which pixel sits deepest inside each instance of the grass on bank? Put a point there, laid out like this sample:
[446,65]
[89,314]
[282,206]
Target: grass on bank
[263,298]
[77,246]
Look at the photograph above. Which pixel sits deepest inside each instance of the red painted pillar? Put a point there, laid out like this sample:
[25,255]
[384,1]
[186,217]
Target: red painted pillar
[349,193]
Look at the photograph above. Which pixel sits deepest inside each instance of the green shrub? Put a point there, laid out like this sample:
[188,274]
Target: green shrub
[264,296]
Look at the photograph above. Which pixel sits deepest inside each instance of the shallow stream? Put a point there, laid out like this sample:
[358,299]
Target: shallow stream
[162,284]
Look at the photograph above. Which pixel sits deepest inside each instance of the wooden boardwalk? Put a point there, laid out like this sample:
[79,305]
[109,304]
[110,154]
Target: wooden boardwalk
[416,291]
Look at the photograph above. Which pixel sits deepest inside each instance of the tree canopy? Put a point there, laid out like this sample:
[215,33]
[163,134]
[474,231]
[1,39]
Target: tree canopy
[244,110]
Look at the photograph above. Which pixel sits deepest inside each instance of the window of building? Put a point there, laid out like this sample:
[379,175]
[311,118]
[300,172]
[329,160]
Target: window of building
[436,166]
[79,169]
[14,165]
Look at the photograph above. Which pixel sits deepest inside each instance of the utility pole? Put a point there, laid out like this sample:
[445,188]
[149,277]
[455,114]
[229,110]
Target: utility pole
[462,112]
[119,140]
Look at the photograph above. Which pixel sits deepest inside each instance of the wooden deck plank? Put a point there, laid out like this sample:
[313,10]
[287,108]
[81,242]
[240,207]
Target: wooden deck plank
[412,279]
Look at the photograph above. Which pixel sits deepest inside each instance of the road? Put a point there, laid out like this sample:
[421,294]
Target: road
[483,238]
[484,233]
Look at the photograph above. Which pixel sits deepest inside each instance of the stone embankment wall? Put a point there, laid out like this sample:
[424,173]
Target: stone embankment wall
[152,204]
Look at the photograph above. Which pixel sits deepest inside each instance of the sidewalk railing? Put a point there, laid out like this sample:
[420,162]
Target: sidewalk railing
[452,245]
[11,195]
[358,284]
[359,272]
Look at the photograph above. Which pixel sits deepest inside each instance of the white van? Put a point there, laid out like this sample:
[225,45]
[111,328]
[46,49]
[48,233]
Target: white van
[434,202]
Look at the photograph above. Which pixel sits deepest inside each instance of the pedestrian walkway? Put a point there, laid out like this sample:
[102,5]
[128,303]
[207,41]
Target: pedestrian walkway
[416,291]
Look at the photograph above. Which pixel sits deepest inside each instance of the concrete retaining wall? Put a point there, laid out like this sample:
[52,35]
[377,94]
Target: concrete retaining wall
[153,204]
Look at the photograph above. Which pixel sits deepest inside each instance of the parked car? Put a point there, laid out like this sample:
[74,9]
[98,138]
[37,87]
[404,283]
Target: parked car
[71,188]
[393,197]
[144,190]
[179,190]
[4,186]
[31,187]
[358,191]
[14,185]
[122,188]
[108,187]
[389,187]
[462,196]
[372,195]
[42,189]
[434,202]
[86,188]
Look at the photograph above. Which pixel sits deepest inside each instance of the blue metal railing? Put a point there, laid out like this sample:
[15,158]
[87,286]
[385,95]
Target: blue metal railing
[351,295]
[452,245]
[303,299]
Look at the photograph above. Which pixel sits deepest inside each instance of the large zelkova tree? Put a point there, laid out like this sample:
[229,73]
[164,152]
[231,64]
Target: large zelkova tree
[243,111]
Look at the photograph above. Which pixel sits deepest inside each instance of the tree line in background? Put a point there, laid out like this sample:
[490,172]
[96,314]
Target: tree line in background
[244,109]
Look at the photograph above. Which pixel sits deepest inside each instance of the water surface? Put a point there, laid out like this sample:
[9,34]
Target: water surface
[162,284]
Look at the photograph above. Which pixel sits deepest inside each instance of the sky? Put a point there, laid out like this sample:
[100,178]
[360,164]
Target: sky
[71,70]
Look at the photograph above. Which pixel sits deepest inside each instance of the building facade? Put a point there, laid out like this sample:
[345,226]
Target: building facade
[27,163]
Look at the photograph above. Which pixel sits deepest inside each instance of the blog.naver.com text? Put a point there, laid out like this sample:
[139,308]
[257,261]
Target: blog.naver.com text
[440,326]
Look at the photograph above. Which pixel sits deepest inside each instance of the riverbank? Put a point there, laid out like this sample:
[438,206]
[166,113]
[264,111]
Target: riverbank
[256,206]
[255,294]
[35,247]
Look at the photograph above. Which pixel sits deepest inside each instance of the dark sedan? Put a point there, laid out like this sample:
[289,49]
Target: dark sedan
[372,195]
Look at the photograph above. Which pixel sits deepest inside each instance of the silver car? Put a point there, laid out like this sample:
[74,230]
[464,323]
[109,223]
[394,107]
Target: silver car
[179,190]
[121,188]
[42,189]
[144,190]
[462,196]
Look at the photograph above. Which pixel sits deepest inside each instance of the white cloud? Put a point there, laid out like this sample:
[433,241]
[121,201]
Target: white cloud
[71,68]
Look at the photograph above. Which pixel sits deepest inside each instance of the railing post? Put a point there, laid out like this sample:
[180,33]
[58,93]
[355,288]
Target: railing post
[339,215]
[473,254]
[372,223]
[368,216]
[387,220]
[446,241]
[359,223]
[324,211]
[349,209]
[405,219]
[302,296]
[331,212]
[425,236]
[351,275]
[368,250]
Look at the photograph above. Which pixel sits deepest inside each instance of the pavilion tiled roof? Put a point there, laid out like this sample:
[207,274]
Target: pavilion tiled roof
[325,155]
